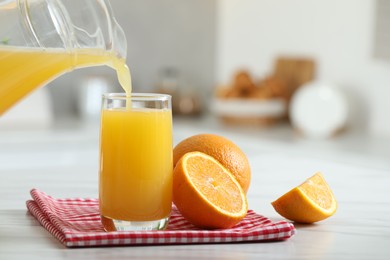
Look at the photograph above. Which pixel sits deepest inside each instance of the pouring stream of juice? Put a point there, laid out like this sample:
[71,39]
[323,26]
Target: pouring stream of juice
[23,70]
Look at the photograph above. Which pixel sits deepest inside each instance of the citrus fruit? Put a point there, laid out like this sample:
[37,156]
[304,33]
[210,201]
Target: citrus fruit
[206,193]
[223,150]
[310,202]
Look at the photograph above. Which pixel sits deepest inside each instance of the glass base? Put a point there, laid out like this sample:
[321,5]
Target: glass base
[121,225]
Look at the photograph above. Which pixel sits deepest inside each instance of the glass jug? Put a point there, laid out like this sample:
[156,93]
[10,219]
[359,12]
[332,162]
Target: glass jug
[42,39]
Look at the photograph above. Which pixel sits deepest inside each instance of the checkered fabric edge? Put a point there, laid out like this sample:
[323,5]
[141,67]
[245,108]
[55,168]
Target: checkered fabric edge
[76,222]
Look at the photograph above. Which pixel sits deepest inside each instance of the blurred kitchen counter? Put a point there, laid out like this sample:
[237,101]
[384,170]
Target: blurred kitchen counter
[63,161]
[348,146]
[281,136]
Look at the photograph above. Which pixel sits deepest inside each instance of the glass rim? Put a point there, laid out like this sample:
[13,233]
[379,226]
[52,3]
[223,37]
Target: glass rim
[137,96]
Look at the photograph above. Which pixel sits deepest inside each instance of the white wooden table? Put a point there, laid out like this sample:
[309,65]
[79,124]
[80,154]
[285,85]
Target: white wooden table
[63,162]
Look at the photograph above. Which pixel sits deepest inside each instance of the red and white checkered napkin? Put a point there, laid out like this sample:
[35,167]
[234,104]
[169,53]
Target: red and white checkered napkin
[76,223]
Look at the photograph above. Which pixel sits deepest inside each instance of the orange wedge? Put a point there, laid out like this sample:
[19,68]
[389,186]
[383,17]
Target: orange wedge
[206,193]
[310,202]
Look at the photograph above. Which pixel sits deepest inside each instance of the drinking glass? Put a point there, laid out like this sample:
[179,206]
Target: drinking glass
[135,182]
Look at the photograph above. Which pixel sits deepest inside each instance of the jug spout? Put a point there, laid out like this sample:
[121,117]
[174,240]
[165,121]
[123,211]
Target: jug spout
[100,31]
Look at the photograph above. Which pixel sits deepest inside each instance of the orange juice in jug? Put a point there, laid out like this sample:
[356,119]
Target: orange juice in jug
[24,69]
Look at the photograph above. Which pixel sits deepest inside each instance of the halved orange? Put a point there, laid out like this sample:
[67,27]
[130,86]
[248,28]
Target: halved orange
[206,193]
[223,150]
[310,202]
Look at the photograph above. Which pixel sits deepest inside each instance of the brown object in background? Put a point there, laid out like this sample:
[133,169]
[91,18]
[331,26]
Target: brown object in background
[271,87]
[243,83]
[294,72]
[242,86]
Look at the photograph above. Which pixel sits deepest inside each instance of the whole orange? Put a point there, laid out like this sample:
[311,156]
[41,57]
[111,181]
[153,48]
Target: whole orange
[223,150]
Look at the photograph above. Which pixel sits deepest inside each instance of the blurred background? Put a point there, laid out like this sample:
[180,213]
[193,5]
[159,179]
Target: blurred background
[242,62]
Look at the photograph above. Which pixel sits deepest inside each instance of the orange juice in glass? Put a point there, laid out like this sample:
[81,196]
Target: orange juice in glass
[135,182]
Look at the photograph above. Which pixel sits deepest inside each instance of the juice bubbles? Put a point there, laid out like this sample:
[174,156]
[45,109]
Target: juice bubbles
[135,162]
[24,69]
